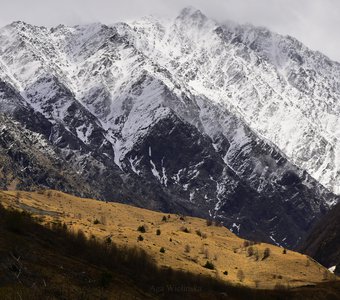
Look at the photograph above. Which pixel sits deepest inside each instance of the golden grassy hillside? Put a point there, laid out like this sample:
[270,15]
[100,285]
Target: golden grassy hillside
[188,243]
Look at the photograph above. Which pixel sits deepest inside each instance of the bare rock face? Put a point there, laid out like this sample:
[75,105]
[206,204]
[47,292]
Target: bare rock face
[220,121]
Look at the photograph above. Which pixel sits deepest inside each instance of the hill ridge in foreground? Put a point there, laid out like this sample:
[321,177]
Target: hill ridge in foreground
[173,241]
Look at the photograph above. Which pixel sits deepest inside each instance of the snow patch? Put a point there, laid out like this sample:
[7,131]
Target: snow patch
[332,269]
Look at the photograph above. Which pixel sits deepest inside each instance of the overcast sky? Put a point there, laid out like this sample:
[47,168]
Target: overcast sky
[315,22]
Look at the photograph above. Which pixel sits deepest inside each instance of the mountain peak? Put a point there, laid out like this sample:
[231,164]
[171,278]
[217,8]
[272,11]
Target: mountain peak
[18,23]
[192,13]
[22,24]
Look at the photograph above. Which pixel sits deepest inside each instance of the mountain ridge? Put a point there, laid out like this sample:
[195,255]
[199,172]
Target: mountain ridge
[115,99]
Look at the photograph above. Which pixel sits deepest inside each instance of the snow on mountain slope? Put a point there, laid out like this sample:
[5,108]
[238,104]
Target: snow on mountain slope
[184,115]
[286,92]
[271,81]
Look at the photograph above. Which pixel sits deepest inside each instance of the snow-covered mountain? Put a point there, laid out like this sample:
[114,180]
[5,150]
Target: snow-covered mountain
[185,115]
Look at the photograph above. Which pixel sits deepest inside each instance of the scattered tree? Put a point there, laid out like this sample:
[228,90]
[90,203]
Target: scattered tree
[209,265]
[201,234]
[187,248]
[266,253]
[280,286]
[158,232]
[162,250]
[185,229]
[17,197]
[246,243]
[194,259]
[141,229]
[140,238]
[105,280]
[96,221]
[240,275]
[206,253]
[103,220]
[218,223]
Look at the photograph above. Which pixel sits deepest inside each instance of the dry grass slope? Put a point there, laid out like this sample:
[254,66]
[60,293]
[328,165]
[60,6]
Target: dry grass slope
[182,243]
